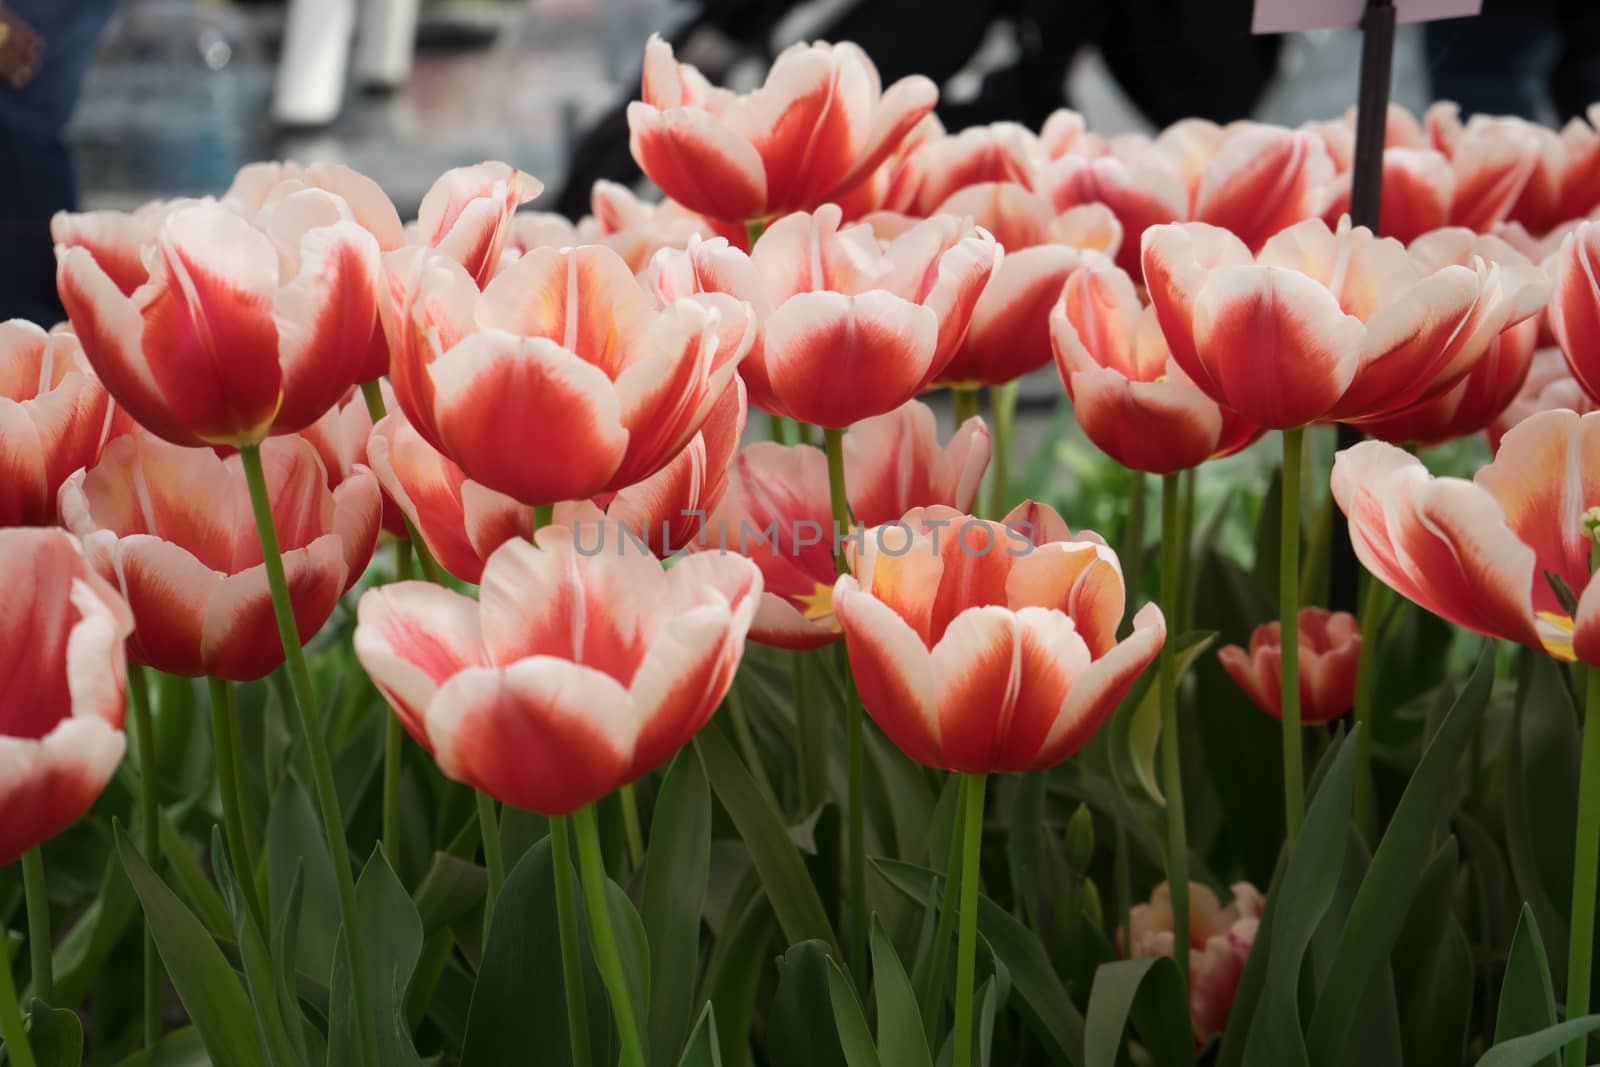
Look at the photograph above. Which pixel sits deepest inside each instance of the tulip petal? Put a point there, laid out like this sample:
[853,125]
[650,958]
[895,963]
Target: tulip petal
[240,639]
[977,675]
[1097,692]
[49,784]
[412,638]
[698,161]
[325,319]
[893,671]
[168,590]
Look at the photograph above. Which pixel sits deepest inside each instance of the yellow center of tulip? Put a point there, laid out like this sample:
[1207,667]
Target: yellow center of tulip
[1555,631]
[817,606]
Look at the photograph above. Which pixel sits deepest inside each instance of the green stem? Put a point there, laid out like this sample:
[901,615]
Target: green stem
[805,433]
[780,429]
[973,787]
[144,736]
[753,229]
[44,984]
[225,741]
[1182,618]
[607,956]
[493,857]
[964,402]
[1289,622]
[571,958]
[1172,551]
[543,515]
[747,743]
[394,735]
[1373,604]
[630,825]
[1003,409]
[945,926]
[855,802]
[811,728]
[18,1051]
[1585,863]
[303,697]
[1132,552]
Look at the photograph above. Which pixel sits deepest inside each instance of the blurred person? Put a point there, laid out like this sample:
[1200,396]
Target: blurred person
[1174,58]
[45,49]
[1536,59]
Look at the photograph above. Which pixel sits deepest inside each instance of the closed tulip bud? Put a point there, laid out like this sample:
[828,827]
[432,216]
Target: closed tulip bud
[1090,904]
[1080,839]
[1330,645]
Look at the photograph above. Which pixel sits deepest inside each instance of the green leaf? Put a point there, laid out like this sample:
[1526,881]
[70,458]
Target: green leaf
[284,943]
[733,975]
[783,872]
[391,935]
[1529,1050]
[1428,994]
[854,1037]
[1309,882]
[208,987]
[900,1035]
[701,1049]
[181,1048]
[1527,998]
[261,981]
[677,870]
[1149,991]
[632,944]
[83,951]
[191,879]
[1048,1007]
[1380,907]
[294,839]
[1144,724]
[794,1038]
[55,1035]
[451,889]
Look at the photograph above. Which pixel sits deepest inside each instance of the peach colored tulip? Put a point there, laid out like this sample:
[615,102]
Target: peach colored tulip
[980,650]
[172,528]
[1418,193]
[54,418]
[1548,386]
[820,125]
[563,378]
[1131,399]
[574,672]
[340,438]
[1493,158]
[116,239]
[776,508]
[61,708]
[1001,153]
[1330,644]
[467,214]
[1575,304]
[246,326]
[632,228]
[1325,324]
[1483,554]
[851,327]
[1141,192]
[1565,183]
[1220,940]
[1261,180]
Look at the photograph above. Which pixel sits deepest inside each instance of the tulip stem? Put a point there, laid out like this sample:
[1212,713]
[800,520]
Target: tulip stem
[144,737]
[1585,864]
[854,727]
[394,735]
[1182,617]
[1172,550]
[1132,551]
[747,742]
[44,984]
[18,1051]
[1003,410]
[964,403]
[1373,604]
[1289,625]
[303,697]
[543,515]
[571,949]
[812,729]
[225,742]
[973,787]
[931,995]
[603,937]
[493,857]
[631,829]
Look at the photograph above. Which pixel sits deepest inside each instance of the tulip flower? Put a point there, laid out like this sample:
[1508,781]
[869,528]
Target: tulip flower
[1418,194]
[1261,179]
[258,188]
[62,706]
[1565,183]
[1330,645]
[1131,399]
[245,327]
[115,239]
[1506,554]
[1575,305]
[1325,324]
[1001,153]
[340,438]
[838,307]
[573,674]
[563,379]
[632,228]
[978,650]
[172,529]
[820,125]
[54,418]
[1548,386]
[467,214]
[1221,938]
[1493,158]
[776,509]
[1141,192]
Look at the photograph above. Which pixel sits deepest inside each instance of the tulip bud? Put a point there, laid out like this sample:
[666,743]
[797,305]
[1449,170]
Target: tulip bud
[1093,910]
[1080,839]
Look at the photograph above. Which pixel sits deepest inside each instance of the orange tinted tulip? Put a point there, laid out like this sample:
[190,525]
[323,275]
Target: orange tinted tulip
[1330,644]
[173,529]
[978,650]
[54,417]
[467,214]
[1548,386]
[1220,940]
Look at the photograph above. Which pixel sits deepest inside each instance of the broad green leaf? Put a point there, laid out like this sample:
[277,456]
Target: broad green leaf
[284,944]
[55,1035]
[677,870]
[1527,998]
[701,1049]
[1025,842]
[83,951]
[1529,1050]
[794,1036]
[632,944]
[1144,724]
[260,981]
[192,880]
[1380,907]
[734,973]
[854,1038]
[295,838]
[1148,992]
[391,937]
[1423,949]
[1048,1007]
[901,1040]
[783,873]
[208,987]
[181,1048]
[452,888]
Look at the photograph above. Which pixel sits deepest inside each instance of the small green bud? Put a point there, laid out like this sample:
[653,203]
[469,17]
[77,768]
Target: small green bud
[1093,912]
[1080,839]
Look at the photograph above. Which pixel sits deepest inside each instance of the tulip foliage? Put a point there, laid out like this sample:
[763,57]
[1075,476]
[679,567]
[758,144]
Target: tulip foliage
[497,639]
